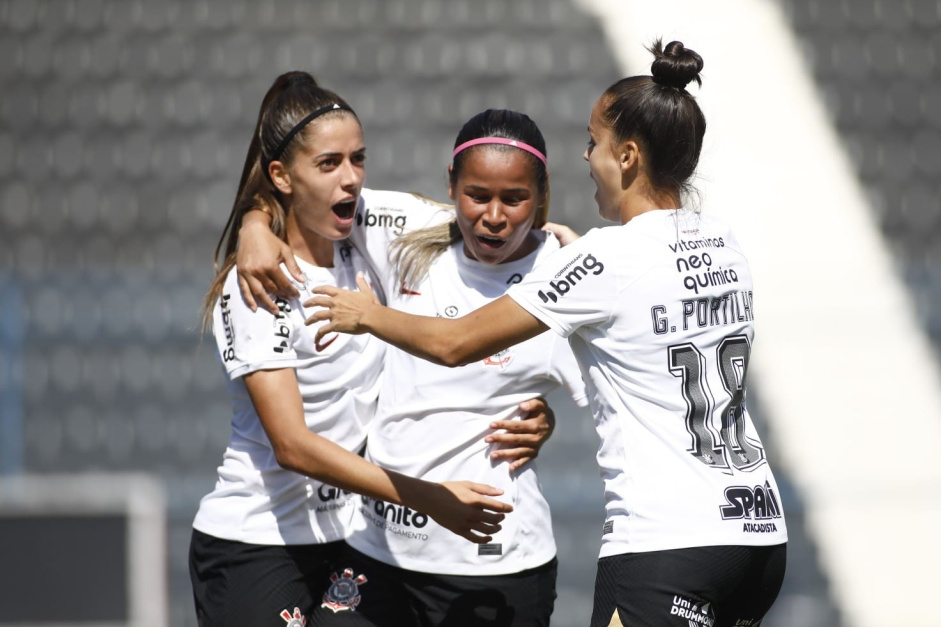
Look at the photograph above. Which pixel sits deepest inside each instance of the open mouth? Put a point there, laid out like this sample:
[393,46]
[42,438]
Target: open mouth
[345,210]
[491,242]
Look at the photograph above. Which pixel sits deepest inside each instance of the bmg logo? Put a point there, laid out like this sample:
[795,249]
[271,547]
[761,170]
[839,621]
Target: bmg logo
[569,276]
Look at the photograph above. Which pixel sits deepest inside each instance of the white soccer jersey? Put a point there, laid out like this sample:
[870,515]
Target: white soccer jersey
[255,500]
[659,313]
[383,216]
[432,421]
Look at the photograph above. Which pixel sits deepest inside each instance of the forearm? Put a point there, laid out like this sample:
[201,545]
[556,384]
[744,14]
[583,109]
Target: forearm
[277,400]
[319,458]
[439,340]
[256,217]
[462,507]
[454,342]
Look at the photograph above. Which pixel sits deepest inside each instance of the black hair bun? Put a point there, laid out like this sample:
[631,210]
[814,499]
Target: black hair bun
[675,65]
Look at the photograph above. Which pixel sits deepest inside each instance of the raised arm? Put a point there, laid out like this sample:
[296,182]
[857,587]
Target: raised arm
[258,259]
[460,506]
[449,342]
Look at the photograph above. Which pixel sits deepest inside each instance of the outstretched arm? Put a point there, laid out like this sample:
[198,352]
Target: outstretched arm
[463,507]
[449,342]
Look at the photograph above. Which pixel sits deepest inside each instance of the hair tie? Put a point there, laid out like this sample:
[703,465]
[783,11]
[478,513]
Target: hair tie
[503,141]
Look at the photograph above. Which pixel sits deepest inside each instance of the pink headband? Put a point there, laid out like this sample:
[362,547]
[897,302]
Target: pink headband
[501,140]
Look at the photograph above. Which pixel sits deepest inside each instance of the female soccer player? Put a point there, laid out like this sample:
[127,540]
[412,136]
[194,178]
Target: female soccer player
[660,315]
[265,538]
[434,422]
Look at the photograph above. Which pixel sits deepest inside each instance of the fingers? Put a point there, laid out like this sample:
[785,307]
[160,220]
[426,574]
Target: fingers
[563,233]
[362,283]
[487,524]
[260,293]
[291,263]
[247,294]
[318,316]
[534,404]
[482,488]
[325,301]
[326,290]
[491,504]
[283,286]
[515,428]
[323,330]
[518,452]
[516,456]
[469,535]
[522,461]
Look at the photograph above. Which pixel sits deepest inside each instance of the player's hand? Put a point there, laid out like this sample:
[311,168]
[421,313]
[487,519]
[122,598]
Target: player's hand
[258,259]
[520,440]
[467,509]
[564,234]
[342,310]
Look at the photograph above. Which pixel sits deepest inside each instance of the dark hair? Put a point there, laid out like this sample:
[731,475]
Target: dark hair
[290,99]
[509,125]
[413,253]
[659,114]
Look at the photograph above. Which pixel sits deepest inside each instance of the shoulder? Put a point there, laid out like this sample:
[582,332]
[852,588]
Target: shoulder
[709,232]
[401,210]
[234,308]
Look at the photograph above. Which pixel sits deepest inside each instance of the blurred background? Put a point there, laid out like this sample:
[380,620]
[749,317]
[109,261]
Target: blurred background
[123,128]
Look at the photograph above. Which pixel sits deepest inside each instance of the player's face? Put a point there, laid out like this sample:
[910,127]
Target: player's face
[327,175]
[603,165]
[497,198]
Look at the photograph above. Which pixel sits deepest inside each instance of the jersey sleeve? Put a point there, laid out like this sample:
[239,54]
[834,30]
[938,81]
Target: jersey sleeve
[564,368]
[384,216]
[248,341]
[574,287]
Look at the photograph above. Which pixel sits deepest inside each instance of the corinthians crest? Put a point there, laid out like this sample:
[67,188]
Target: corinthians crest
[343,593]
[297,620]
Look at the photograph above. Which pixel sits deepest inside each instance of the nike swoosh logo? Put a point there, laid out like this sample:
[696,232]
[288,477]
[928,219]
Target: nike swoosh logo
[404,290]
[320,347]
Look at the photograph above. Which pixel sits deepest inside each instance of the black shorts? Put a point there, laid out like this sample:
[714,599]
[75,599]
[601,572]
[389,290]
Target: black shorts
[388,595]
[237,584]
[710,586]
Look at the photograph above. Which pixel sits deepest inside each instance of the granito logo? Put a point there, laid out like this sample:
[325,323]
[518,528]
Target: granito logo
[381,219]
[569,276]
[397,514]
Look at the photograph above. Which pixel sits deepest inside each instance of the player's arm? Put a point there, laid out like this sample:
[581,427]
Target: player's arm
[449,342]
[460,506]
[258,258]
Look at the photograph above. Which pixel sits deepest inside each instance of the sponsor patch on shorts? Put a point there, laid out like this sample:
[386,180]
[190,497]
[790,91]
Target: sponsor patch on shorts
[489,549]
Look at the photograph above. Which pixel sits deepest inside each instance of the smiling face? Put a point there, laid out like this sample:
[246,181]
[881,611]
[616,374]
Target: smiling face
[324,179]
[604,165]
[497,199]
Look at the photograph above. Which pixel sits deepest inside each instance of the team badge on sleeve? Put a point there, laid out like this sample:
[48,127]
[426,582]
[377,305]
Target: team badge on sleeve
[343,593]
[295,620]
